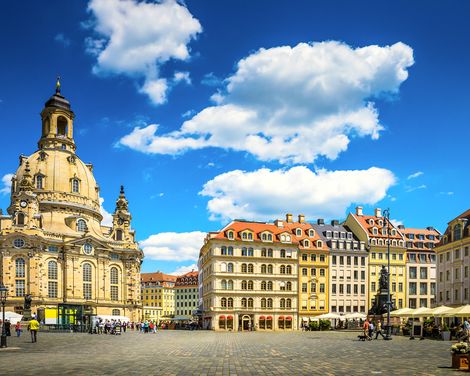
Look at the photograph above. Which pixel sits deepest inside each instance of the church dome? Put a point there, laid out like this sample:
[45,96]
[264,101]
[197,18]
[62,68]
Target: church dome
[60,176]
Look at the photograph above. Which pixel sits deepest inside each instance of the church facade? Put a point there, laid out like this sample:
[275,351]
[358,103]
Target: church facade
[54,249]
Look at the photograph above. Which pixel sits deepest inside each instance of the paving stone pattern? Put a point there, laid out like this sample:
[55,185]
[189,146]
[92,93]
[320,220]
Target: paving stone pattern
[181,353]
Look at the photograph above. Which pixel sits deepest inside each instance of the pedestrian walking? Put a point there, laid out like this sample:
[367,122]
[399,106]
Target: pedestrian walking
[18,329]
[371,329]
[33,327]
[365,327]
[378,330]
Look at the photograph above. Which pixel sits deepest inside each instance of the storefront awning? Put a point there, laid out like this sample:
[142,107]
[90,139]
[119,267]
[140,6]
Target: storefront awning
[222,317]
[262,318]
[229,317]
[269,318]
[289,318]
[281,317]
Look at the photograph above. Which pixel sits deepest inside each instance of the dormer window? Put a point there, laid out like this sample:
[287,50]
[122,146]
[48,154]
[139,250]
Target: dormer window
[75,185]
[81,225]
[311,233]
[319,243]
[306,243]
[380,222]
[328,234]
[393,232]
[298,232]
[375,231]
[371,222]
[335,235]
[39,181]
[230,234]
[270,237]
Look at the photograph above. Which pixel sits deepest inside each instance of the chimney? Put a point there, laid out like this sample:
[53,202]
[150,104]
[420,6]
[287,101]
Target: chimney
[301,218]
[358,210]
[401,227]
[378,212]
[278,223]
[320,221]
[289,218]
[335,222]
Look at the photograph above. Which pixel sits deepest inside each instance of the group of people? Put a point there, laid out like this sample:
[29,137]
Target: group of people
[370,327]
[33,327]
[114,327]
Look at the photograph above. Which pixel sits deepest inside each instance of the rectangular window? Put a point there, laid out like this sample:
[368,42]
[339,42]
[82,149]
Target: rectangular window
[356,275]
[400,257]
[423,273]
[52,289]
[412,303]
[363,289]
[333,260]
[363,261]
[322,272]
[394,286]
[348,260]
[20,287]
[348,289]
[433,288]
[363,275]
[322,287]
[87,291]
[304,257]
[372,286]
[114,293]
[356,290]
[304,287]
[423,288]
[322,258]
[333,288]
[412,288]
[341,289]
[413,272]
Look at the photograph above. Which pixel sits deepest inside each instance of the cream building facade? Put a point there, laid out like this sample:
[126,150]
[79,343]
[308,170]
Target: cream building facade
[186,295]
[453,262]
[421,265]
[248,277]
[348,274]
[53,245]
[372,230]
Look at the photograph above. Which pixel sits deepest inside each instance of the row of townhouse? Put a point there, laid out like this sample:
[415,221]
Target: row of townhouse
[167,297]
[276,276]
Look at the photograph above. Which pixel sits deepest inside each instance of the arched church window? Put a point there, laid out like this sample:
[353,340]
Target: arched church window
[52,285]
[114,280]
[81,225]
[61,126]
[87,281]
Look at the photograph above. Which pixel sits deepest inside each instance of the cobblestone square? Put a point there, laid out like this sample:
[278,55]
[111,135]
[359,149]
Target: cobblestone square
[182,353]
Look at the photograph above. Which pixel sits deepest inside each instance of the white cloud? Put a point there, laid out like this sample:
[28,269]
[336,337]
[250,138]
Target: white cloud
[291,104]
[184,269]
[173,246]
[266,194]
[182,77]
[107,217]
[136,38]
[412,189]
[62,39]
[415,175]
[447,193]
[6,184]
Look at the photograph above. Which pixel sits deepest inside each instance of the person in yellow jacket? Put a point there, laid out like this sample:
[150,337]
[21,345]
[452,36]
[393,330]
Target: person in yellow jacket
[33,327]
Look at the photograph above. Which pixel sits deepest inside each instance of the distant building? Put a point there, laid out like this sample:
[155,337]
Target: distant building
[186,295]
[348,268]
[420,265]
[372,230]
[453,261]
[312,270]
[157,290]
[249,277]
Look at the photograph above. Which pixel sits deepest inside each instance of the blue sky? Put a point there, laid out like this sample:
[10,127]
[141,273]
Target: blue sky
[209,110]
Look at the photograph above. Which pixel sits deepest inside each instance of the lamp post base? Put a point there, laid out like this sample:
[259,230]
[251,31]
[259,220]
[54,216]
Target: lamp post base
[3,342]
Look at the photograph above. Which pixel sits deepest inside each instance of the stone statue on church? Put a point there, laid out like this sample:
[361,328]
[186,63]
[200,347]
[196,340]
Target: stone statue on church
[383,281]
[27,301]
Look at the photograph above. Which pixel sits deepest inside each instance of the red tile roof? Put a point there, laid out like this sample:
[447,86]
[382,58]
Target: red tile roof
[367,225]
[425,242]
[157,277]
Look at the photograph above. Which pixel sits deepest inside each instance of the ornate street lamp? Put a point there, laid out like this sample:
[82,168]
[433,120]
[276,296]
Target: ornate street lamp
[3,299]
[386,215]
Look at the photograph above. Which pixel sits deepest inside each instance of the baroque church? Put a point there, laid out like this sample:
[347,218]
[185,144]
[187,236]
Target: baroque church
[56,255]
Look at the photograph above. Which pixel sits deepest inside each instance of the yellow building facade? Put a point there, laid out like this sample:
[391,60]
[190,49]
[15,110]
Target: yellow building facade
[54,249]
[372,230]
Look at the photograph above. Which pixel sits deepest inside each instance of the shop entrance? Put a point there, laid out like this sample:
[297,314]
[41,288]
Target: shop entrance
[246,323]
